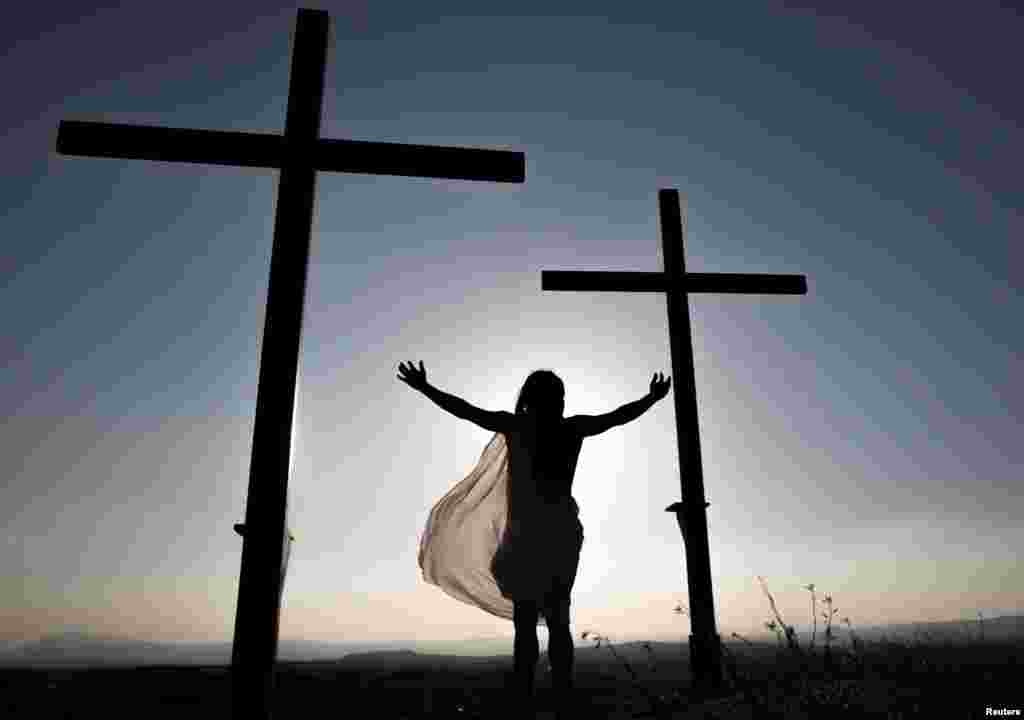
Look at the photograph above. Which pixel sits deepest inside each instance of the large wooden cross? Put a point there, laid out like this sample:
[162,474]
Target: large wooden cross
[299,153]
[676,283]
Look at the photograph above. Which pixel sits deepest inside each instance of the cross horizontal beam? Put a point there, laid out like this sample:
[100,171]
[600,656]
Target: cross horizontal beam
[613,281]
[265,150]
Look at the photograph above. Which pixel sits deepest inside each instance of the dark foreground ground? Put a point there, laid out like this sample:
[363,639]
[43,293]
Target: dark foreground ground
[893,681]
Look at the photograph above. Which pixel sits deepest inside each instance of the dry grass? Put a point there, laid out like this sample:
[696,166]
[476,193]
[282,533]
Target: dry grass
[843,677]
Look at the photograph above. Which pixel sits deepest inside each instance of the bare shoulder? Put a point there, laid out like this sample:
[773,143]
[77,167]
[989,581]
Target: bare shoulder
[577,424]
[507,419]
[501,421]
[590,425]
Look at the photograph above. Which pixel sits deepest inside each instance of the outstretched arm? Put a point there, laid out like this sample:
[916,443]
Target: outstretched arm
[417,379]
[596,424]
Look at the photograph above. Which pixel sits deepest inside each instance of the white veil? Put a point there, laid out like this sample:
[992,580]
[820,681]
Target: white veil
[463,533]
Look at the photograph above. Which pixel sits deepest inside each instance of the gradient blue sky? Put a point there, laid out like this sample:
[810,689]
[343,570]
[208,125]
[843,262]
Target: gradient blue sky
[864,437]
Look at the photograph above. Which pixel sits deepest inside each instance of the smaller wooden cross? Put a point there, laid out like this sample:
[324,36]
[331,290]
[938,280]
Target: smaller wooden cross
[676,283]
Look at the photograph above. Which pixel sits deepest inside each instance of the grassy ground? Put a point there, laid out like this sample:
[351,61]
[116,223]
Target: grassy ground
[822,676]
[883,680]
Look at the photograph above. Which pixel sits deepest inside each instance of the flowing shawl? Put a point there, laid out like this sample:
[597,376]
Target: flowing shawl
[475,552]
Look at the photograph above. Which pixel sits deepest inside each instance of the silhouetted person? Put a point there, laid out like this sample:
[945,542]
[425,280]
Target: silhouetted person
[536,562]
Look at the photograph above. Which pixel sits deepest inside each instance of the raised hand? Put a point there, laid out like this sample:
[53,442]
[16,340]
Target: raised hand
[416,379]
[659,387]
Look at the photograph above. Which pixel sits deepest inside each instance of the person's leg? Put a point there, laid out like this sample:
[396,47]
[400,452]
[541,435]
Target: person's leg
[560,646]
[527,649]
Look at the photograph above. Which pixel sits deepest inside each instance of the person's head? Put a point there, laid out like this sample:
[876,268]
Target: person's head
[543,394]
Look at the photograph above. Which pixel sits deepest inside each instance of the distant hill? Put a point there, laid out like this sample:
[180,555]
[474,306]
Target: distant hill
[76,649]
[82,650]
[472,647]
[1009,627]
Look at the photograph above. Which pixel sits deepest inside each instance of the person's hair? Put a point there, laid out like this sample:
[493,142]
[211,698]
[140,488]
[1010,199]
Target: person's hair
[541,388]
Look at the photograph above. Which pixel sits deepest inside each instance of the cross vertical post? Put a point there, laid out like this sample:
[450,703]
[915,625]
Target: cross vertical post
[258,609]
[298,154]
[705,648]
[691,515]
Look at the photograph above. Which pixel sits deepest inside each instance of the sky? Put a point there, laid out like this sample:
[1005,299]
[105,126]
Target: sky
[864,437]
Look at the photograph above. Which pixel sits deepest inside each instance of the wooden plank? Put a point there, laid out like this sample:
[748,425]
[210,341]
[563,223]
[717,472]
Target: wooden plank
[457,163]
[615,281]
[266,150]
[167,144]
